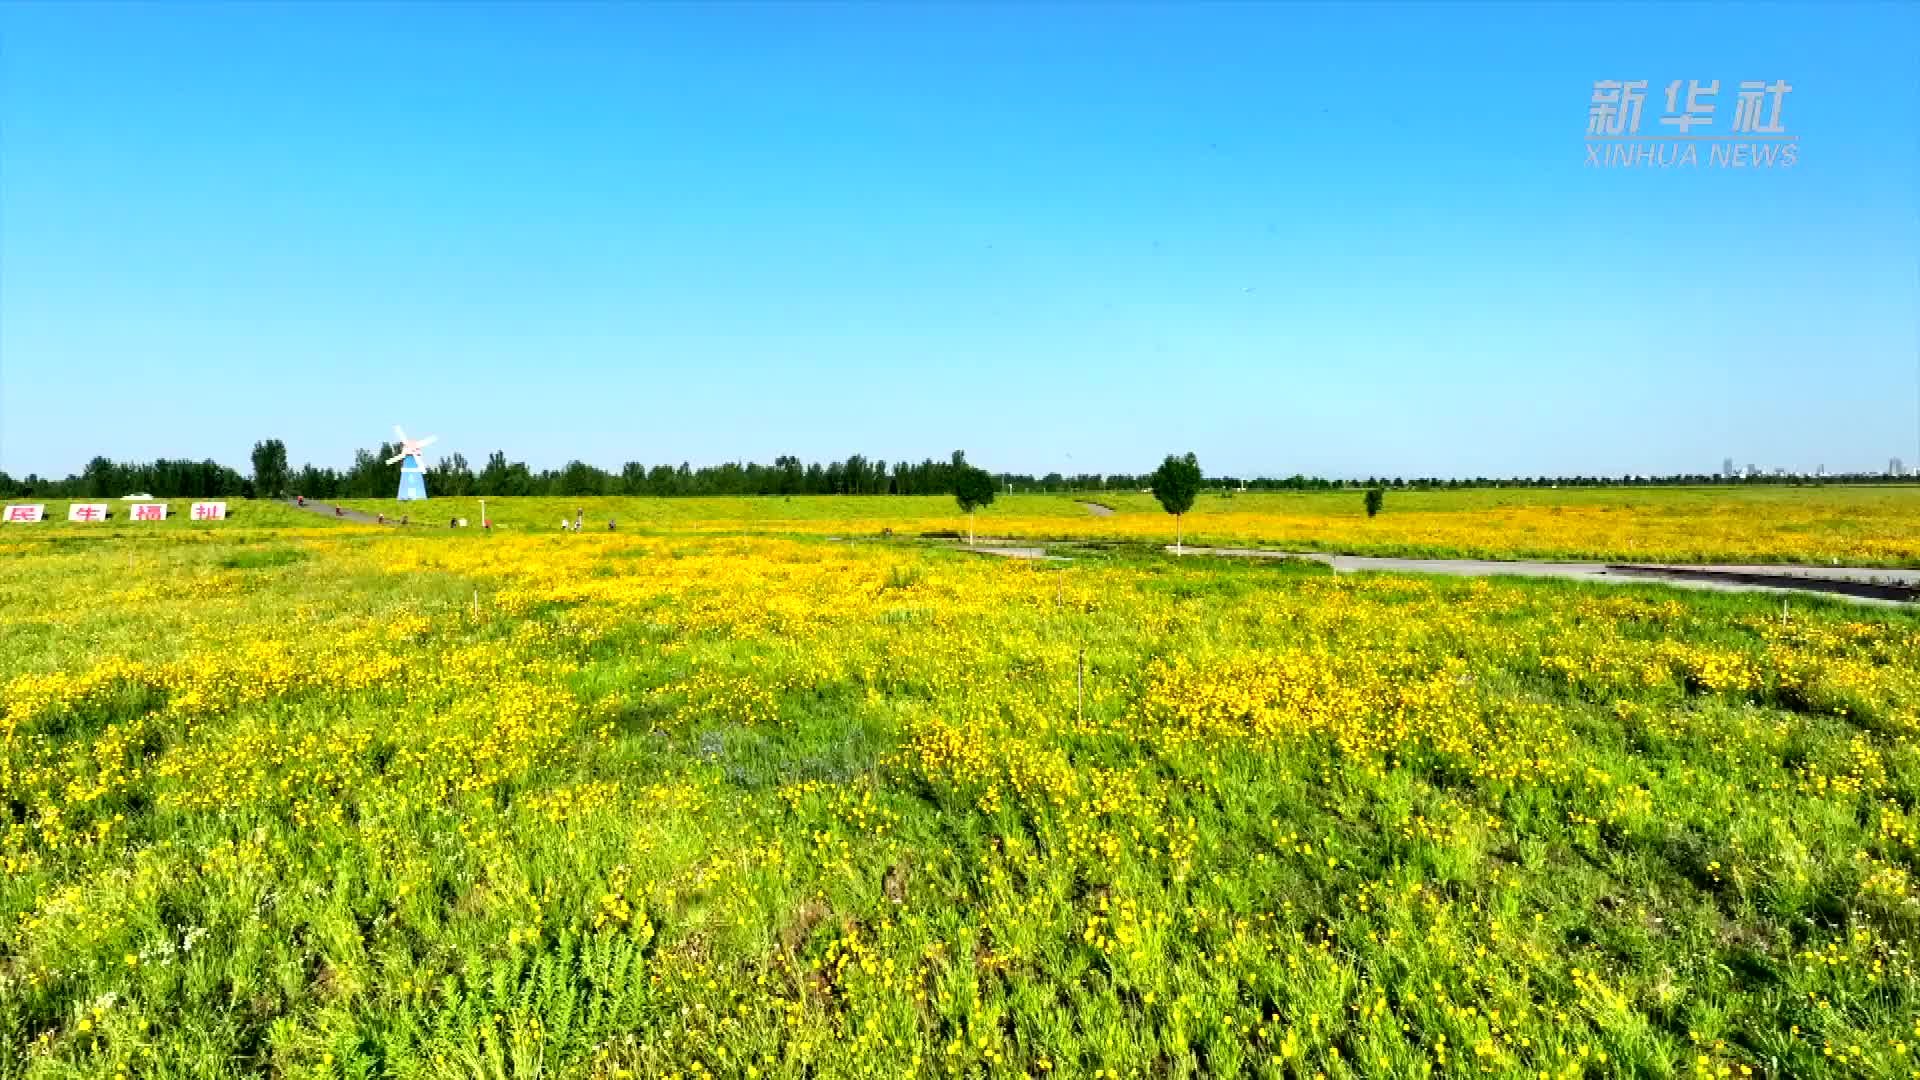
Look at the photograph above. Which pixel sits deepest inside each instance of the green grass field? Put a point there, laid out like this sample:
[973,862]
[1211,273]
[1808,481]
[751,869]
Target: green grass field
[1866,526]
[335,801]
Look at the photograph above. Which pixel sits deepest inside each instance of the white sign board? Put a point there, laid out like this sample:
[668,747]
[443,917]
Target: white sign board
[209,511]
[87,512]
[149,512]
[27,512]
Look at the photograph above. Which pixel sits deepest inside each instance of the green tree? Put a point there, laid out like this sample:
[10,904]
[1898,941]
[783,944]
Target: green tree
[270,472]
[973,488]
[1176,483]
[99,478]
[451,475]
[1375,498]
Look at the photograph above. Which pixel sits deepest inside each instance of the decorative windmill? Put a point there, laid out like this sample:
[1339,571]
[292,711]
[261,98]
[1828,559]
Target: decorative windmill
[413,472]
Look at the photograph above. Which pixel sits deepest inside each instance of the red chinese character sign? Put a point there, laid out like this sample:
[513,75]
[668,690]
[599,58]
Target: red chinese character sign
[27,512]
[209,511]
[149,511]
[87,512]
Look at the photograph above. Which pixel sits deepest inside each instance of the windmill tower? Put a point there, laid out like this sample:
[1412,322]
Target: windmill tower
[413,473]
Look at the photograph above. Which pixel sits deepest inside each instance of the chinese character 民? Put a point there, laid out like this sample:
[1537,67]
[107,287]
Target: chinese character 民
[1616,107]
[19,513]
[1697,111]
[1746,111]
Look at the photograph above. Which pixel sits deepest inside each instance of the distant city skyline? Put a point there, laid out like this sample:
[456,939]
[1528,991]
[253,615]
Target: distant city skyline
[1061,242]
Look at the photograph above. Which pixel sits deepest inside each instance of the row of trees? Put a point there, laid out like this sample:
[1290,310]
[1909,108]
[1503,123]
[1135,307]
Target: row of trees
[370,476]
[104,479]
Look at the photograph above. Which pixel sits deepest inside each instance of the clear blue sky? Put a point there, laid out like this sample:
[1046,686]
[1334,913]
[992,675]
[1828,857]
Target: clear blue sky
[1290,238]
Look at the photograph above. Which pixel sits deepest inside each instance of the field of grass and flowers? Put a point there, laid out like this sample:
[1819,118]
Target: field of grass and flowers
[703,800]
[1857,526]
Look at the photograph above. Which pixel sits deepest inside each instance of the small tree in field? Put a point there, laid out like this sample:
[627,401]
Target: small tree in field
[972,489]
[1375,498]
[1175,483]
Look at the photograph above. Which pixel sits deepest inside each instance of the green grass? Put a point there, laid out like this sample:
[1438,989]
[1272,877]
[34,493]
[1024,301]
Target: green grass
[361,802]
[1865,526]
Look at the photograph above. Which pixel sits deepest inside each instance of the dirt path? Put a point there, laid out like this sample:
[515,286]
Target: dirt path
[326,510]
[1096,509]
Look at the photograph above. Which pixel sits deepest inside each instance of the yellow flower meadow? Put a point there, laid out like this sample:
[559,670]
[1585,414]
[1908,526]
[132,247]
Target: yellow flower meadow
[709,800]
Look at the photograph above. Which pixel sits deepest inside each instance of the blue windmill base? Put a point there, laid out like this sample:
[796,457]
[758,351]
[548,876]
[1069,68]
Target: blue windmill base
[413,480]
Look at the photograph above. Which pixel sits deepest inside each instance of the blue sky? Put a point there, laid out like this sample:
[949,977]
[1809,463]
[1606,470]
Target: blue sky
[1290,238]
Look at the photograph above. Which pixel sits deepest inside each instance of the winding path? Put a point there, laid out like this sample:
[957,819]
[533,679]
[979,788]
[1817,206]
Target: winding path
[1856,582]
[1866,584]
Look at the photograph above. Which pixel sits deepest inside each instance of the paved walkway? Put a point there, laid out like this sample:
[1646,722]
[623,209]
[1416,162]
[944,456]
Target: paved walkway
[1863,583]
[1857,582]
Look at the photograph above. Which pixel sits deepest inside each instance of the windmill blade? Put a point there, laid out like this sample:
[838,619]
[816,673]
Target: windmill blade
[426,442]
[397,458]
[397,430]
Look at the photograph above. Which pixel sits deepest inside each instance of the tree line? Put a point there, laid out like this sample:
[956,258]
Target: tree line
[453,475]
[165,478]
[369,476]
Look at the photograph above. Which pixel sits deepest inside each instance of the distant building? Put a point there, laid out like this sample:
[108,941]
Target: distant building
[1726,469]
[1752,470]
[1896,467]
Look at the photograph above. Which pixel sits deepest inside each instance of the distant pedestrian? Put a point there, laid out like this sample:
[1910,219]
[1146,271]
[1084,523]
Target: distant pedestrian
[579,518]
[609,524]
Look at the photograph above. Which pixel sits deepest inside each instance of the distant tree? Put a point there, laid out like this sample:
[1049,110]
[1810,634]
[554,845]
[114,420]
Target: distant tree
[633,479]
[1375,497]
[100,477]
[450,476]
[499,477]
[270,472]
[973,488]
[1175,483]
[580,478]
